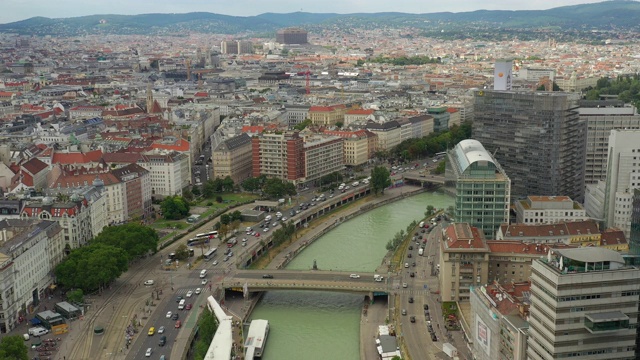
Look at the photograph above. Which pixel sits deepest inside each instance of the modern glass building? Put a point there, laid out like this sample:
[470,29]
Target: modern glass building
[538,138]
[482,188]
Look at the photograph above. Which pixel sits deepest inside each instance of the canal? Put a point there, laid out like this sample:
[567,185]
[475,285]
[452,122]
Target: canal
[323,325]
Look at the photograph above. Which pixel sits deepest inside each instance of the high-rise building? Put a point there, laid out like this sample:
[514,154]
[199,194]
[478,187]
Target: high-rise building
[602,116]
[623,175]
[291,36]
[584,305]
[502,75]
[245,47]
[634,238]
[537,137]
[481,186]
[229,47]
[279,155]
[233,158]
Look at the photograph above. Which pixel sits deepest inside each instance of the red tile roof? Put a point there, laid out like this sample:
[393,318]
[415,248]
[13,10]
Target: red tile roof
[34,166]
[612,237]
[76,158]
[463,236]
[181,145]
[360,112]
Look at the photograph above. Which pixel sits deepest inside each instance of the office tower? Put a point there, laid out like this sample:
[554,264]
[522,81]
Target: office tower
[623,175]
[537,137]
[291,36]
[602,116]
[481,186]
[584,305]
[502,75]
[634,238]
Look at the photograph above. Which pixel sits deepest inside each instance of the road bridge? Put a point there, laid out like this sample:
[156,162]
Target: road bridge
[423,180]
[305,280]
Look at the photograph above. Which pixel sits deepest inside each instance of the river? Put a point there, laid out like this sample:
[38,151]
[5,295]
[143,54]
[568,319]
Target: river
[311,325]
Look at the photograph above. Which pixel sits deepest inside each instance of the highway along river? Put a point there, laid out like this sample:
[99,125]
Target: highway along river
[323,325]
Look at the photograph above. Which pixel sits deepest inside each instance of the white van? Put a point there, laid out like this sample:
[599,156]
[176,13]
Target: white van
[203,273]
[181,304]
[38,331]
[268,218]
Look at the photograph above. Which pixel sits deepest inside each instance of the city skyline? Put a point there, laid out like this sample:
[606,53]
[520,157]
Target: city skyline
[16,10]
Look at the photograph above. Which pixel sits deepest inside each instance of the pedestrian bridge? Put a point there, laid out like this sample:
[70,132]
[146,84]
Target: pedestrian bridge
[253,281]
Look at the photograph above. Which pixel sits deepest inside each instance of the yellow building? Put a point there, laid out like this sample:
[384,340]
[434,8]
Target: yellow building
[327,115]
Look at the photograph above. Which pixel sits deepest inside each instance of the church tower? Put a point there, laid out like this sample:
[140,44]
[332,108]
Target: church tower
[149,98]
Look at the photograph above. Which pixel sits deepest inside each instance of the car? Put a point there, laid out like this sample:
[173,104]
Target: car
[284,219]
[274,224]
[204,282]
[214,263]
[169,314]
[265,229]
[178,298]
[149,282]
[161,330]
[152,331]
[198,291]
[188,307]
[404,311]
[163,340]
[244,244]
[412,319]
[409,255]
[230,254]
[410,247]
[261,225]
[354,276]
[257,234]
[178,324]
[267,276]
[413,264]
[148,352]
[410,300]
[226,258]
[404,285]
[412,274]
[331,195]
[189,293]
[434,338]
[425,306]
[175,316]
[406,265]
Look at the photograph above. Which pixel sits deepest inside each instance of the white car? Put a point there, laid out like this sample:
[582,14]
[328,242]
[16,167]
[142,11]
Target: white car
[189,293]
[161,330]
[148,282]
[169,314]
[204,281]
[354,276]
[404,285]
[215,262]
[148,353]
[198,291]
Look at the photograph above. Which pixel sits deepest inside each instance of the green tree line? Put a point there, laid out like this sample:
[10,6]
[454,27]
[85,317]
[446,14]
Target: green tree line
[433,143]
[627,87]
[406,60]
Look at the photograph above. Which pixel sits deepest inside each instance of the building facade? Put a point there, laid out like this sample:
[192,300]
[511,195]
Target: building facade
[291,36]
[481,186]
[584,305]
[233,158]
[548,210]
[279,155]
[322,156]
[602,117]
[388,134]
[534,133]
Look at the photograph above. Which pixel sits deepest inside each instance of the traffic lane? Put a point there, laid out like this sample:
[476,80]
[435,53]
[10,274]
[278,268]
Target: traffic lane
[157,319]
[304,275]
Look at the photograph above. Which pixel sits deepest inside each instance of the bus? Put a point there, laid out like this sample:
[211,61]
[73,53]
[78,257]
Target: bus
[197,241]
[210,254]
[211,235]
[441,154]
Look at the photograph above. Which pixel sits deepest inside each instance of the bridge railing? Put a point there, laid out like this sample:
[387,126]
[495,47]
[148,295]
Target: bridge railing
[307,285]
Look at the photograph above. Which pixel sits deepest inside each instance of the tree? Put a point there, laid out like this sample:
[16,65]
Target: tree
[441,167]
[137,240]
[92,267]
[182,252]
[339,124]
[430,210]
[223,231]
[277,188]
[76,296]
[188,195]
[196,191]
[13,348]
[252,184]
[301,126]
[227,184]
[380,179]
[174,207]
[225,219]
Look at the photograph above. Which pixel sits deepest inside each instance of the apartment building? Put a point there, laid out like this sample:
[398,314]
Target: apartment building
[584,305]
[550,140]
[29,249]
[440,118]
[136,183]
[170,172]
[548,210]
[482,189]
[602,116]
[356,146]
[323,155]
[578,233]
[388,134]
[74,217]
[463,261]
[279,155]
[233,158]
[295,114]
[357,115]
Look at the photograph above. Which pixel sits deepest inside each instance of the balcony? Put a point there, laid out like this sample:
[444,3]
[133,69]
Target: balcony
[599,323]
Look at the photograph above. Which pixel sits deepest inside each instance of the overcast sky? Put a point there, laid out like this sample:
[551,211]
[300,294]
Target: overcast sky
[14,10]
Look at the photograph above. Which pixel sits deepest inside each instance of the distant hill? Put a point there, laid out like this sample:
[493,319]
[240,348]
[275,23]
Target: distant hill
[608,15]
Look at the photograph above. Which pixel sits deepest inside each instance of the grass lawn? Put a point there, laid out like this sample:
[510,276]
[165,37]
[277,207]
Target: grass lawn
[228,200]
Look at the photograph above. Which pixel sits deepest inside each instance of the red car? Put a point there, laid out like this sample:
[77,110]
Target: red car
[178,324]
[257,234]
[188,307]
